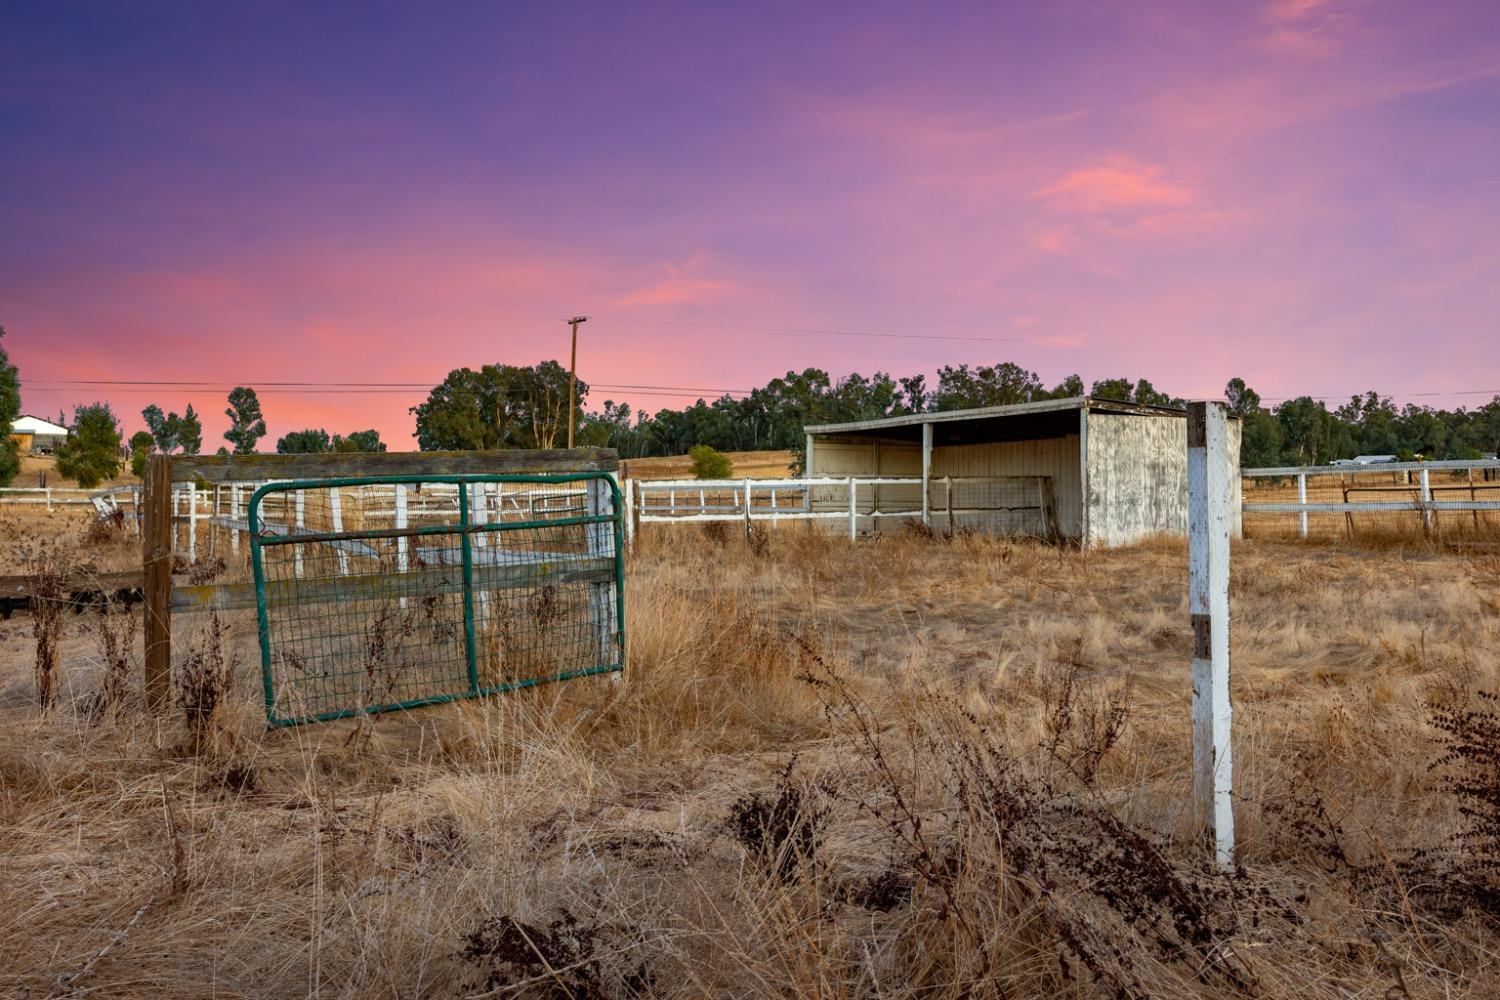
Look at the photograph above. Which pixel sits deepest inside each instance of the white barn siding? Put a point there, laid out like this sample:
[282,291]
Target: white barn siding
[1137,477]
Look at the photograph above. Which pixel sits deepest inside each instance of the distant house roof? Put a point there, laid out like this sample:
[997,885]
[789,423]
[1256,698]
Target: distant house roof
[27,424]
[1372,459]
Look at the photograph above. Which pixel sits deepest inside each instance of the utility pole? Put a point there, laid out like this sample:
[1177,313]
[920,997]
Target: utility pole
[573,379]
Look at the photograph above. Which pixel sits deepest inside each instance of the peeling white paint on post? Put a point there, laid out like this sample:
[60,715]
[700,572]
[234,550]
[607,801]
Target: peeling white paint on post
[927,474]
[1302,498]
[1208,587]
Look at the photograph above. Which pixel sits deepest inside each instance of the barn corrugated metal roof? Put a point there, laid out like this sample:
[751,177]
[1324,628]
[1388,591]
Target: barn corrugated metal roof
[1093,403]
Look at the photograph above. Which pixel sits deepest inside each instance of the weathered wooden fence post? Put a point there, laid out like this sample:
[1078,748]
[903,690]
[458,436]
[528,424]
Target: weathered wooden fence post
[156,555]
[1208,602]
[747,508]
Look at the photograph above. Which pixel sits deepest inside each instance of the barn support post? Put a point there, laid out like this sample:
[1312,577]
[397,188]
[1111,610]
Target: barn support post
[1302,498]
[336,509]
[807,459]
[1208,603]
[156,558]
[927,474]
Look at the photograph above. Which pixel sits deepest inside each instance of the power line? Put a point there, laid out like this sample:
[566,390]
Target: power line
[808,332]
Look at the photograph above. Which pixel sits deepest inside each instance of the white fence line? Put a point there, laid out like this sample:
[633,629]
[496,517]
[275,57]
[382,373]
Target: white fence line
[689,501]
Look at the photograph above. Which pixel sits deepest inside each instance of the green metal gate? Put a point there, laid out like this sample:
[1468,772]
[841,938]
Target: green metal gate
[376,594]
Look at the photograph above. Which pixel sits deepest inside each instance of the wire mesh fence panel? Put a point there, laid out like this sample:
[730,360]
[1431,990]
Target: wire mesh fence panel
[375,595]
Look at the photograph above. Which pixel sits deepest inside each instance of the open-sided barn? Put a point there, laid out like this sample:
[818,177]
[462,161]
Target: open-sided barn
[1094,471]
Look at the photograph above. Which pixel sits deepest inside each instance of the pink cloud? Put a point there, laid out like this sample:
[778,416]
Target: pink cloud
[1117,185]
[681,286]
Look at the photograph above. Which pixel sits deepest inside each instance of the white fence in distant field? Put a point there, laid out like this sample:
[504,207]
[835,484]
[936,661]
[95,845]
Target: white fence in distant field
[1443,498]
[1022,504]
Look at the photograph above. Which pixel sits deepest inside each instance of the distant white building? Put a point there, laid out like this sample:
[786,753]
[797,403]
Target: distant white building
[43,435]
[1365,460]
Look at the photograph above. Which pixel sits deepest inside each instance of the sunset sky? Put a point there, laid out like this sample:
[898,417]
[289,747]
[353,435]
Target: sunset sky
[1302,193]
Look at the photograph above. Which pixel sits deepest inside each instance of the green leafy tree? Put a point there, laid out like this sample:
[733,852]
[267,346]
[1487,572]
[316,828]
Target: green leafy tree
[91,454]
[709,463]
[1113,388]
[142,444]
[190,432]
[1260,432]
[10,408]
[1068,388]
[313,441]
[172,432]
[358,441]
[246,426]
[1004,384]
[498,406]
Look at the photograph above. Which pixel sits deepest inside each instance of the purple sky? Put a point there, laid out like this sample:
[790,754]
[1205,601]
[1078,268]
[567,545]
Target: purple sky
[1302,193]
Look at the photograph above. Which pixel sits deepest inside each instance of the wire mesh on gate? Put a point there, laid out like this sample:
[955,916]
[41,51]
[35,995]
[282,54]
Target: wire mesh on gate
[381,594]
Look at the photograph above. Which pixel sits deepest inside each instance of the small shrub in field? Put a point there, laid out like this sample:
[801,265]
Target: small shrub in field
[709,463]
[563,958]
[1472,762]
[783,832]
[204,678]
[114,631]
[47,563]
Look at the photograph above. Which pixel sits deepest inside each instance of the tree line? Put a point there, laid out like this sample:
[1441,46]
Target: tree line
[517,406]
[505,406]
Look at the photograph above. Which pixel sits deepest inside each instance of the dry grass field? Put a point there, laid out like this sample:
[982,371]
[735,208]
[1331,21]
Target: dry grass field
[909,767]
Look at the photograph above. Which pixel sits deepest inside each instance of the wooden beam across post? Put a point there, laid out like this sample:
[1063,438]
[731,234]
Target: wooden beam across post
[1208,603]
[156,556]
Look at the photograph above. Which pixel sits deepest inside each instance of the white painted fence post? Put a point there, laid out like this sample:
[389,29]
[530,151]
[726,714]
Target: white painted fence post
[1302,498]
[299,521]
[402,542]
[747,508]
[1426,503]
[602,597]
[853,511]
[1208,602]
[337,509]
[234,518]
[192,522]
[627,495]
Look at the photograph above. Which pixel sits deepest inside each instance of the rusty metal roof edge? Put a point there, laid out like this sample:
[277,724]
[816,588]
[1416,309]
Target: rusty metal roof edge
[986,412]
